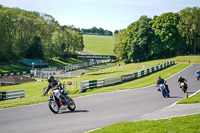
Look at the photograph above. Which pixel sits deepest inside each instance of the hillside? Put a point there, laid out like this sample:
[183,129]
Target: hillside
[99,45]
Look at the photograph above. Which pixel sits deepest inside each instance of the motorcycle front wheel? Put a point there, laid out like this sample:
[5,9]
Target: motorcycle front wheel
[53,106]
[71,105]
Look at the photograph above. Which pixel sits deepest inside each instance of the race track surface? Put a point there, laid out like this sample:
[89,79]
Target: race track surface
[96,111]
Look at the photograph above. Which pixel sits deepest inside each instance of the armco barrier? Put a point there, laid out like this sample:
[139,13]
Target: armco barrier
[90,84]
[128,77]
[113,80]
[16,73]
[12,94]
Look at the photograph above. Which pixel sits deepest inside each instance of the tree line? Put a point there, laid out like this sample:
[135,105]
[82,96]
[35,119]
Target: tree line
[96,31]
[25,34]
[167,35]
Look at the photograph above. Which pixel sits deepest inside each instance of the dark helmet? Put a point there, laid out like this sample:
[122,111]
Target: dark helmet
[159,77]
[180,77]
[50,79]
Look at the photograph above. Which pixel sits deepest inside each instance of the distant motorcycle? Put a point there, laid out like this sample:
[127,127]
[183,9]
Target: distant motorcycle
[59,101]
[198,76]
[183,86]
[163,90]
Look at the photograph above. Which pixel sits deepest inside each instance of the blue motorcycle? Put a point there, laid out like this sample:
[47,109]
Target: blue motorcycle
[198,76]
[163,90]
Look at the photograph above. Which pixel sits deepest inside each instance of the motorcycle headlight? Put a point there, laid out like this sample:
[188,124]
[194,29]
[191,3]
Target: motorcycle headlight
[182,84]
[50,93]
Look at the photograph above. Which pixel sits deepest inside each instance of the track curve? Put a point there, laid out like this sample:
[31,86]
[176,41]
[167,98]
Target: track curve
[95,111]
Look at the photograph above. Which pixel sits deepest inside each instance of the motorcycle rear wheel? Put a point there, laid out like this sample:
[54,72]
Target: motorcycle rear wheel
[71,105]
[53,106]
[163,94]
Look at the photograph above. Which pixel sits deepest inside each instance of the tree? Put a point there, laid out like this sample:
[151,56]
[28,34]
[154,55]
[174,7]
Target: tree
[134,42]
[189,28]
[35,49]
[96,31]
[34,35]
[6,24]
[166,39]
[140,40]
[166,35]
[116,32]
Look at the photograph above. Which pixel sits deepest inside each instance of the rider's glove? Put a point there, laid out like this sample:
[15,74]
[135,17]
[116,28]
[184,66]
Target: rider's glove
[44,94]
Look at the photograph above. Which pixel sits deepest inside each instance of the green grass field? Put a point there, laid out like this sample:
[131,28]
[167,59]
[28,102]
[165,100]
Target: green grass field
[185,124]
[99,45]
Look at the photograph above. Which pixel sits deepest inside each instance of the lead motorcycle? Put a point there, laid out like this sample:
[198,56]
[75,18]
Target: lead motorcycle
[183,86]
[60,101]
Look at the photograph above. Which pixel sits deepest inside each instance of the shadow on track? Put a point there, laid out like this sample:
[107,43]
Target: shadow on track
[190,92]
[175,97]
[76,111]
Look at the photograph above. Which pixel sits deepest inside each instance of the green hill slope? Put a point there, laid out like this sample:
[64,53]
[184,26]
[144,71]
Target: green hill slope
[99,45]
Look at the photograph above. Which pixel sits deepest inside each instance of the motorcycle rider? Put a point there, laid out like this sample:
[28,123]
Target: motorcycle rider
[55,85]
[161,81]
[181,80]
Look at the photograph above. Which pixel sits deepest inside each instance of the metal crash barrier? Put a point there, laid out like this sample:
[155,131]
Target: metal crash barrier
[12,94]
[91,84]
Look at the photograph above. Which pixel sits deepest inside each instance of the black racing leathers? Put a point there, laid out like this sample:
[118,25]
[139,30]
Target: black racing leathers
[181,80]
[53,85]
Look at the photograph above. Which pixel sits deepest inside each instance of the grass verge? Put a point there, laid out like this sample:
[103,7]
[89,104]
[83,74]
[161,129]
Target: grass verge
[185,124]
[193,99]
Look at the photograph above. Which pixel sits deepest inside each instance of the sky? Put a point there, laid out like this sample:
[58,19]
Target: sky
[107,14]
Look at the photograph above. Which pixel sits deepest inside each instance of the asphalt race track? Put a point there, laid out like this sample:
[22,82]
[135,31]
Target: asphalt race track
[96,111]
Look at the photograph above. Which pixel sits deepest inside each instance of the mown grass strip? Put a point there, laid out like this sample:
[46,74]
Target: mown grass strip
[193,99]
[185,124]
[99,45]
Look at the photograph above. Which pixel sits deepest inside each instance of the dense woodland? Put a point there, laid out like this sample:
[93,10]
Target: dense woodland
[167,35]
[25,34]
[96,31]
